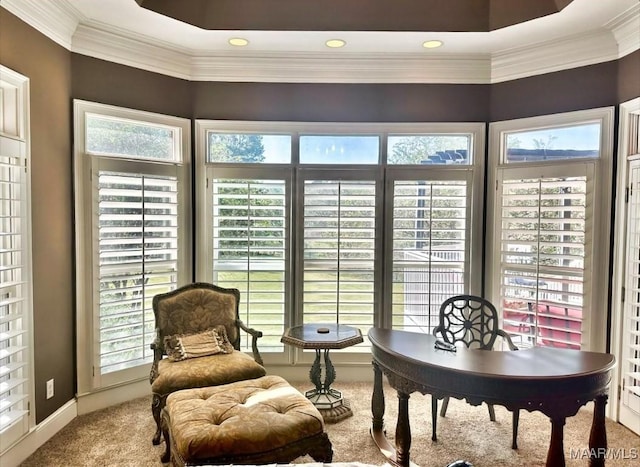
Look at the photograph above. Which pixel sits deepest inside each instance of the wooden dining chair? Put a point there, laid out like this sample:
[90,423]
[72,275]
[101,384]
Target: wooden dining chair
[473,321]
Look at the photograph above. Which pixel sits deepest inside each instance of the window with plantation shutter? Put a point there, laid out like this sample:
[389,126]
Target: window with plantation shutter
[250,251]
[430,249]
[338,252]
[550,215]
[16,339]
[133,238]
[361,224]
[544,240]
[15,289]
[630,363]
[138,250]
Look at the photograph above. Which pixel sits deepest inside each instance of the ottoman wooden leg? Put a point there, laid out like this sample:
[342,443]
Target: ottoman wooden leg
[323,451]
[165,423]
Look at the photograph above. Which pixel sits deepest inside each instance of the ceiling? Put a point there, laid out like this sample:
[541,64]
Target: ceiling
[355,15]
[563,34]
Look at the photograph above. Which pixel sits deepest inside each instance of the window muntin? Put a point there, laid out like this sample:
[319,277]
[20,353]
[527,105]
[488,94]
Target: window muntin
[554,143]
[248,148]
[429,149]
[119,137]
[339,149]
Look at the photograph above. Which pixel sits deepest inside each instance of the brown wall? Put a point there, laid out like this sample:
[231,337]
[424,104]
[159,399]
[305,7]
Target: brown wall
[57,76]
[47,65]
[109,83]
[341,102]
[563,91]
[629,77]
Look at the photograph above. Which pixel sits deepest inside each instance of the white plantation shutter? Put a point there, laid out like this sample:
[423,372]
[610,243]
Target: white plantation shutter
[630,365]
[339,252]
[15,291]
[545,229]
[250,250]
[138,258]
[430,249]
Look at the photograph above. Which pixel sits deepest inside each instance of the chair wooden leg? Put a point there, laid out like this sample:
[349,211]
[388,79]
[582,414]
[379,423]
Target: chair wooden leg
[516,418]
[492,412]
[445,404]
[156,408]
[434,417]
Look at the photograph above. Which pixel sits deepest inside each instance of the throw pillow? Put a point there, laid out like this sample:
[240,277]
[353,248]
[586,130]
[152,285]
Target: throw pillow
[223,339]
[182,347]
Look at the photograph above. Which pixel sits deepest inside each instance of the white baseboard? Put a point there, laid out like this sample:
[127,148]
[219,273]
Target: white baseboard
[102,399]
[44,431]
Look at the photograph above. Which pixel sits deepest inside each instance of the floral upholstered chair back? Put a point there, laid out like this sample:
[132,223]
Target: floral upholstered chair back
[195,308]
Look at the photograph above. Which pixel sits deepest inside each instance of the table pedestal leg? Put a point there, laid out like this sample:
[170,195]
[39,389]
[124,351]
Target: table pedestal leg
[328,401]
[377,400]
[403,430]
[555,456]
[598,436]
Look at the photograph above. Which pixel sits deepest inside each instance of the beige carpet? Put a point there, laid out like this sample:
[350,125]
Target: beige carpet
[121,436]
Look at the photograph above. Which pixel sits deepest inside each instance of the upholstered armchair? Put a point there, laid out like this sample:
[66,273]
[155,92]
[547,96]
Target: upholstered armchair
[197,343]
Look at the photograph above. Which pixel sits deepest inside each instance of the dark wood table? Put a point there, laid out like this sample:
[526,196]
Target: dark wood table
[556,382]
[322,338]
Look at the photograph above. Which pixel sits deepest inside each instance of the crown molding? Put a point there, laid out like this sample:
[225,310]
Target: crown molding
[547,57]
[56,20]
[96,40]
[626,30]
[355,68]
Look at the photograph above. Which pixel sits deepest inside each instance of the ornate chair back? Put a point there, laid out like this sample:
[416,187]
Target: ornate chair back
[469,319]
[194,308]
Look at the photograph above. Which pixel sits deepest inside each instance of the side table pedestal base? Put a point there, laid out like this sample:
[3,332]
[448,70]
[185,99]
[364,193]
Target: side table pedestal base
[337,414]
[330,403]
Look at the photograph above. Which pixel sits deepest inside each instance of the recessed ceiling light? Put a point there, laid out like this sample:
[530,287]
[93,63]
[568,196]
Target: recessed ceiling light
[238,41]
[335,43]
[432,44]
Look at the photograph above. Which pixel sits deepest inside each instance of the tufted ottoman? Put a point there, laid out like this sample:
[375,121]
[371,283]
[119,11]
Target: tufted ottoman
[263,420]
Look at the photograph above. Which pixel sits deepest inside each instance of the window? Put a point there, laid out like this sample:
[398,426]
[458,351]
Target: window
[430,249]
[300,227]
[132,195]
[250,250]
[338,249]
[16,381]
[550,211]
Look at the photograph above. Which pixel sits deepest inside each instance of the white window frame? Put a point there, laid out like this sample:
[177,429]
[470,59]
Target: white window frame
[473,173]
[597,276]
[86,166]
[15,138]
